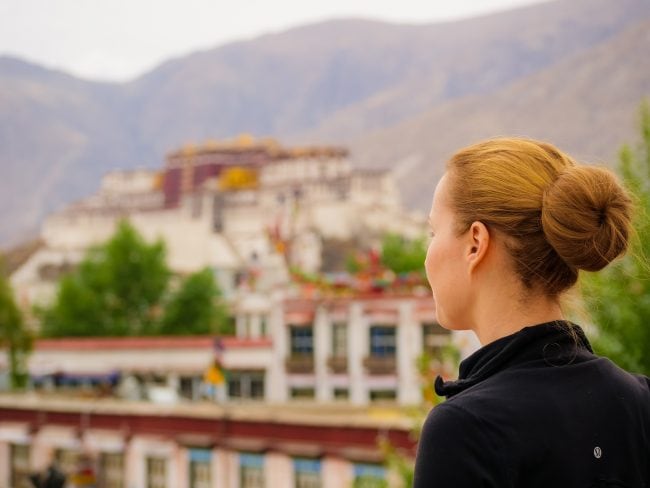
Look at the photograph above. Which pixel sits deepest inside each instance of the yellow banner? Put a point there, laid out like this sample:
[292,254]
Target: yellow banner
[238,178]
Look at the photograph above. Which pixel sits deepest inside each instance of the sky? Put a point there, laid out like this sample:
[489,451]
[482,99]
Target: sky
[117,40]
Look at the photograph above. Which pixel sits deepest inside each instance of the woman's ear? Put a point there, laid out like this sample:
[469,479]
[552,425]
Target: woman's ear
[478,242]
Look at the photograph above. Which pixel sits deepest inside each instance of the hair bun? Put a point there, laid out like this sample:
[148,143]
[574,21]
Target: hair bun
[586,217]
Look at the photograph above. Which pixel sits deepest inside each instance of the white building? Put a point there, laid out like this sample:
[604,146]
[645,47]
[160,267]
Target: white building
[358,350]
[227,207]
[313,378]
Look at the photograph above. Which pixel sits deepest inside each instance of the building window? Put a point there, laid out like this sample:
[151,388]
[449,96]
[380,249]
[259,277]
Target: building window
[251,470]
[190,387]
[200,468]
[217,213]
[111,470]
[341,393]
[434,338]
[382,341]
[339,340]
[256,386]
[156,472]
[246,385]
[307,473]
[248,325]
[302,393]
[436,347]
[67,460]
[19,466]
[302,340]
[369,476]
[264,325]
[383,395]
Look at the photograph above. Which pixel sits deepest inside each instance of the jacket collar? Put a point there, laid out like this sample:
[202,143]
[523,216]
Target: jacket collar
[556,343]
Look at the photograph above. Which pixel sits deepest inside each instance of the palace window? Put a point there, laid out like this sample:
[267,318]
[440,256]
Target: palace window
[435,342]
[389,395]
[190,387]
[19,466]
[217,213]
[246,385]
[302,340]
[156,472]
[111,472]
[303,393]
[67,460]
[339,340]
[264,332]
[382,341]
[433,338]
[341,394]
[200,468]
[307,472]
[251,470]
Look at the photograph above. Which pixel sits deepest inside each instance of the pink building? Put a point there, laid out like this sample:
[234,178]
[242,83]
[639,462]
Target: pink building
[312,383]
[198,445]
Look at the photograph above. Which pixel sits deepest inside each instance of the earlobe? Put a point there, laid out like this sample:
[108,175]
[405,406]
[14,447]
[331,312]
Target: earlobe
[479,242]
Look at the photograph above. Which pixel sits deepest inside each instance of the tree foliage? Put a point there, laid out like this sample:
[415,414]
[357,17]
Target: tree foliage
[402,255]
[122,288]
[618,298]
[192,309]
[114,291]
[13,335]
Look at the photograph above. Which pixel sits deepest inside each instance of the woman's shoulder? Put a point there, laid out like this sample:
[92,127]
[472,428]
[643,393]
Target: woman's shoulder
[617,377]
[456,416]
[456,449]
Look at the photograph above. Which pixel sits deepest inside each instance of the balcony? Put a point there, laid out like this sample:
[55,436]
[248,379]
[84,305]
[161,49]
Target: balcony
[377,365]
[337,364]
[300,364]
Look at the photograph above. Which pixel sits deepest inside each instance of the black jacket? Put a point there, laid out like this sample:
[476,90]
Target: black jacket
[538,409]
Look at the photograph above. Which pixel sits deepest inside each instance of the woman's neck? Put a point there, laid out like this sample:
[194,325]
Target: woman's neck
[500,316]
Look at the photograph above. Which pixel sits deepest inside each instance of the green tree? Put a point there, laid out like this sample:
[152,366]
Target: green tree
[195,308]
[116,290]
[402,255]
[13,335]
[618,298]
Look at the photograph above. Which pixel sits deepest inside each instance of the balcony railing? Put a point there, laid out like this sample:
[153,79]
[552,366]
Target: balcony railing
[337,364]
[380,364]
[300,364]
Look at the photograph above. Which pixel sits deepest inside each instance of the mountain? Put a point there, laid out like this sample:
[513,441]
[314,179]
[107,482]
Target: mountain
[585,104]
[56,134]
[335,80]
[481,55]
[343,81]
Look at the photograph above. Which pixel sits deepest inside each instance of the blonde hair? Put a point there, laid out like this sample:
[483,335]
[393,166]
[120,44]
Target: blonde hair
[558,217]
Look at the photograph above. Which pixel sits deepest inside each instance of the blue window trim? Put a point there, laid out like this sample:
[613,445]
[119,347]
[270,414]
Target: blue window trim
[306,465]
[251,460]
[200,455]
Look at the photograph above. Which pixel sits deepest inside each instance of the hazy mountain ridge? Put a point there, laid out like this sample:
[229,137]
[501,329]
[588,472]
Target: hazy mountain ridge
[334,81]
[586,104]
[482,55]
[57,135]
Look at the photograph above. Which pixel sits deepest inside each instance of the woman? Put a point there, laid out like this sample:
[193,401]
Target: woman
[512,222]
